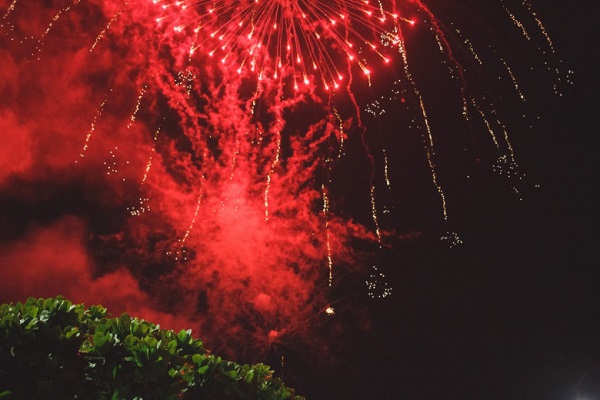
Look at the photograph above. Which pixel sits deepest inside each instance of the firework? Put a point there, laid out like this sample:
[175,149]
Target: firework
[312,38]
[217,141]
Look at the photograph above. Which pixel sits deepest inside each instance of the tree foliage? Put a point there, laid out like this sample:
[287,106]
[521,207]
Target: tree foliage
[54,349]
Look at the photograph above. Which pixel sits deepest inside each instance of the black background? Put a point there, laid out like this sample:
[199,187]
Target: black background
[514,313]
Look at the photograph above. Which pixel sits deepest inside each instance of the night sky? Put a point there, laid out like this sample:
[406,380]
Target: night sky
[511,313]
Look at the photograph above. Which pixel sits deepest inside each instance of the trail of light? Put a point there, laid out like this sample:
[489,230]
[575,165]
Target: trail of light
[10,9]
[92,129]
[327,234]
[429,150]
[479,109]
[137,107]
[507,140]
[540,25]
[386,169]
[516,21]
[102,33]
[514,79]
[142,205]
[560,77]
[149,163]
[486,122]
[54,20]
[341,133]
[446,48]
[429,146]
[269,175]
[181,252]
[555,70]
[193,47]
[374,214]
[362,129]
[470,47]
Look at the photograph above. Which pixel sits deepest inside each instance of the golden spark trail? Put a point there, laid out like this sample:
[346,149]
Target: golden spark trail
[429,146]
[514,79]
[486,122]
[269,175]
[107,27]
[137,107]
[93,126]
[327,234]
[10,9]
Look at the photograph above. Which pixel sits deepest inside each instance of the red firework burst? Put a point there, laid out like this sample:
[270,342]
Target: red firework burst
[309,38]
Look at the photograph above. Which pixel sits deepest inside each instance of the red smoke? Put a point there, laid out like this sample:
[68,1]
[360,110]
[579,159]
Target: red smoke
[54,260]
[140,172]
[163,186]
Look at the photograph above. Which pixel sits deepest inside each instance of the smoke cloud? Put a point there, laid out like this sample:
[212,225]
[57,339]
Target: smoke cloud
[135,177]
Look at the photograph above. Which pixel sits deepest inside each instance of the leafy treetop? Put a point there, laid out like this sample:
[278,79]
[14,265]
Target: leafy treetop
[52,348]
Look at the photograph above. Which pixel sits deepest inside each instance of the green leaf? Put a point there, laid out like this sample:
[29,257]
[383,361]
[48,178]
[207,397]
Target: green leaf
[202,370]
[48,304]
[32,323]
[73,331]
[172,347]
[151,341]
[124,321]
[31,311]
[232,374]
[44,316]
[100,339]
[198,359]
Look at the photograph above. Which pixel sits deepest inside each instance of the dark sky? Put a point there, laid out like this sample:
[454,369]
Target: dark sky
[514,313]
[510,314]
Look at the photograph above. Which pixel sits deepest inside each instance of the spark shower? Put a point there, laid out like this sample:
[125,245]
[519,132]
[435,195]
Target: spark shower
[189,161]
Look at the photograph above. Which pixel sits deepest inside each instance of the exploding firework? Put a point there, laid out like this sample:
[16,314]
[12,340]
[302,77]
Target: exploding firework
[271,37]
[210,140]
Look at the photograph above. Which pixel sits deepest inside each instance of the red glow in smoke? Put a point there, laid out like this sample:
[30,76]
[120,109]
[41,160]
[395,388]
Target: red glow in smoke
[175,163]
[220,223]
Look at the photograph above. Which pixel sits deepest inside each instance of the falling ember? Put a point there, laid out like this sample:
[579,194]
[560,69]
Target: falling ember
[137,107]
[106,28]
[92,128]
[222,133]
[328,236]
[377,286]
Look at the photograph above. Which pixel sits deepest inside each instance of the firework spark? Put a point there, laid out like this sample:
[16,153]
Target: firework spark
[222,135]
[270,37]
